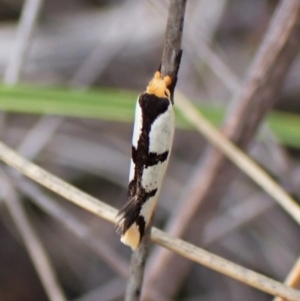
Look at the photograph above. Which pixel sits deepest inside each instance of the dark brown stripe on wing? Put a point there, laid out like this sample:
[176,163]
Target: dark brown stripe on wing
[131,211]
[152,107]
[154,158]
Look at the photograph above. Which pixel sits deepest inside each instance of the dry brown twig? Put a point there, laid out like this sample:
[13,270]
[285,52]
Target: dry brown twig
[231,81]
[31,241]
[169,66]
[78,228]
[37,253]
[249,106]
[179,246]
[293,279]
[247,165]
[25,29]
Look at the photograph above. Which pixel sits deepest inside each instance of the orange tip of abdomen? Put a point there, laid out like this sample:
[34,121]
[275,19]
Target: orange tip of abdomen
[132,237]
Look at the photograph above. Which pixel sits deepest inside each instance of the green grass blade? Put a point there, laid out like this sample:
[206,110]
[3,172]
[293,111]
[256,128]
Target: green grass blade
[118,105]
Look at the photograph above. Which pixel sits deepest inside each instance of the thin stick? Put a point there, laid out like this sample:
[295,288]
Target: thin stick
[222,265]
[32,243]
[25,28]
[34,247]
[238,157]
[293,278]
[169,66]
[108,213]
[172,46]
[78,228]
[137,267]
[214,174]
[26,25]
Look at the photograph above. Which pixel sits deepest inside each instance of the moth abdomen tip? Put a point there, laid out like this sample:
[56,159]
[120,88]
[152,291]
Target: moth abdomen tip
[132,236]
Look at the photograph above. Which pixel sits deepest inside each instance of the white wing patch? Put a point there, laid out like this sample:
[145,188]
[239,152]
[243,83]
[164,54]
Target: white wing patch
[153,176]
[148,208]
[138,124]
[162,131]
[131,172]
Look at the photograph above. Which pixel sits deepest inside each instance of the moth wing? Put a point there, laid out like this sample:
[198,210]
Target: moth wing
[131,225]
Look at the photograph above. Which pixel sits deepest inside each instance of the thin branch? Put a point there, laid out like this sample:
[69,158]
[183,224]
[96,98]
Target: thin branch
[81,230]
[172,46]
[169,66]
[238,157]
[196,46]
[30,13]
[137,266]
[178,246]
[293,278]
[258,94]
[26,26]
[221,265]
[92,66]
[32,243]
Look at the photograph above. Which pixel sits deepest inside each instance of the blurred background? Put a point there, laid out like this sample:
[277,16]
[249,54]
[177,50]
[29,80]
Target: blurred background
[71,71]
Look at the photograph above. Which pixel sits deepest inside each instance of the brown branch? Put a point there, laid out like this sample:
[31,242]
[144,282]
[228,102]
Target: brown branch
[169,66]
[30,13]
[221,265]
[69,221]
[254,100]
[32,243]
[178,246]
[137,267]
[293,278]
[172,46]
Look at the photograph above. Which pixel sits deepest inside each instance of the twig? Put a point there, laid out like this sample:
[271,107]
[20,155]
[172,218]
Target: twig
[26,25]
[169,66]
[293,279]
[172,46]
[247,165]
[34,141]
[221,265]
[196,45]
[258,93]
[78,228]
[92,66]
[137,266]
[34,247]
[25,28]
[108,213]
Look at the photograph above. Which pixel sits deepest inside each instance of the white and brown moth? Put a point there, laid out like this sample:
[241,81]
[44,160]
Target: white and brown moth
[151,145]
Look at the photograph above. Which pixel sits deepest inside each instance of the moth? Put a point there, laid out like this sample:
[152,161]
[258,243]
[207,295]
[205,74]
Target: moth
[151,145]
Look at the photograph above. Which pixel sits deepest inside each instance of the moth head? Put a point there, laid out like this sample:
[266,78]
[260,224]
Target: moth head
[159,86]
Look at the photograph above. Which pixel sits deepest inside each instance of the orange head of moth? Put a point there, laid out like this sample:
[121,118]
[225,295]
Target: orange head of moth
[158,86]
